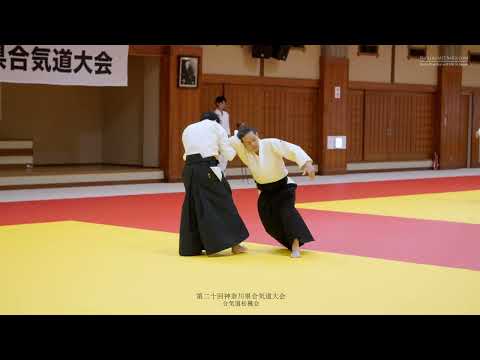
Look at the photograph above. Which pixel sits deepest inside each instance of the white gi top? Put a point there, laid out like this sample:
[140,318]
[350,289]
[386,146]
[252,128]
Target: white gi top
[224,120]
[207,138]
[268,166]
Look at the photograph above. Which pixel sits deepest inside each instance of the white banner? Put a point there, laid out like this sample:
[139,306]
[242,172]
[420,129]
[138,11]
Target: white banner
[89,65]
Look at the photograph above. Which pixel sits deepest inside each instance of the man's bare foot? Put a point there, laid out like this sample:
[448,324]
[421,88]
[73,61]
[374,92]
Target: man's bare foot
[239,249]
[295,254]
[295,249]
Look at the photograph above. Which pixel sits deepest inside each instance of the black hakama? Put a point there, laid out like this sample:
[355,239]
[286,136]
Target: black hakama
[280,218]
[210,220]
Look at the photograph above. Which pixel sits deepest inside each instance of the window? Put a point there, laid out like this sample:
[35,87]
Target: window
[368,50]
[473,57]
[417,51]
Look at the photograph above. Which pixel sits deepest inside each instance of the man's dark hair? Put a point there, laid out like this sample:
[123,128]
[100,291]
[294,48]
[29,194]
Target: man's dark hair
[244,130]
[220,99]
[210,116]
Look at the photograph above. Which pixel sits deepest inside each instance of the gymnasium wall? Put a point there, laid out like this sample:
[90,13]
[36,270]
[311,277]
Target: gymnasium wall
[276,108]
[238,60]
[229,60]
[369,67]
[411,71]
[123,108]
[386,122]
[88,125]
[65,122]
[300,64]
[390,125]
[304,64]
[151,111]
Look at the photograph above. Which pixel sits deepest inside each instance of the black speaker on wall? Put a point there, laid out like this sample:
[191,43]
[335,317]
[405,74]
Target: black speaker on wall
[280,52]
[262,51]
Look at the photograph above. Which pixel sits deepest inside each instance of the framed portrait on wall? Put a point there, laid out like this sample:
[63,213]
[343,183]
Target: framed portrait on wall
[188,71]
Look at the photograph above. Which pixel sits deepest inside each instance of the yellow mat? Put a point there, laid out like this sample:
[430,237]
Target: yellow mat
[462,206]
[81,268]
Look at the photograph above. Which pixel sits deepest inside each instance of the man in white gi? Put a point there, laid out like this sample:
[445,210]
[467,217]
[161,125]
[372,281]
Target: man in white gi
[210,221]
[276,203]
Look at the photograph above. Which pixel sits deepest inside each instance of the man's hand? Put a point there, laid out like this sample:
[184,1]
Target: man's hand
[309,170]
[477,134]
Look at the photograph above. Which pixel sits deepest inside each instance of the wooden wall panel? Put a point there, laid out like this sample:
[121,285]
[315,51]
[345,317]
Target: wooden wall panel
[412,131]
[398,126]
[386,124]
[302,119]
[374,86]
[260,81]
[148,50]
[290,115]
[378,108]
[209,92]
[355,114]
[451,123]
[401,132]
[275,110]
[278,123]
[179,108]
[246,104]
[475,159]
[281,108]
[461,147]
[425,116]
[278,119]
[333,72]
